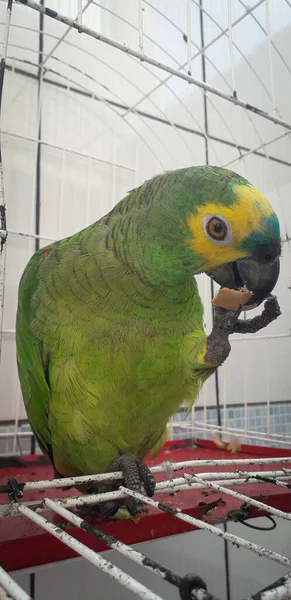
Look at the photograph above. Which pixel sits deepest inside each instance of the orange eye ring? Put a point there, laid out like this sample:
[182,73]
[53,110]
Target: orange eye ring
[217,229]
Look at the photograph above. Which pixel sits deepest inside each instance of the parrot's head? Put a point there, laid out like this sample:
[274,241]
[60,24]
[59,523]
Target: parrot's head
[234,233]
[202,220]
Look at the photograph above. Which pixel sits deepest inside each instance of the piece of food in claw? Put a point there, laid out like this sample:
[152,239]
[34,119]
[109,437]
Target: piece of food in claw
[232,299]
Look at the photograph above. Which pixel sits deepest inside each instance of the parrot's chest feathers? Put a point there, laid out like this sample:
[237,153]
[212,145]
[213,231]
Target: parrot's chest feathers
[154,367]
[125,378]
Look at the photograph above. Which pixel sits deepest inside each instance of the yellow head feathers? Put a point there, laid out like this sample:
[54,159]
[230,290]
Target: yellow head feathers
[220,232]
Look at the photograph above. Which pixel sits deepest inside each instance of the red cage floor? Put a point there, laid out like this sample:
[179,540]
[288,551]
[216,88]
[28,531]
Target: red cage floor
[23,544]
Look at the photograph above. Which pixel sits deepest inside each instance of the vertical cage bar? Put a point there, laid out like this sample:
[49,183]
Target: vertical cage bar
[224,384]
[189,57]
[230,45]
[245,352]
[88,195]
[16,421]
[113,197]
[39,117]
[268,23]
[268,387]
[61,200]
[38,151]
[80,12]
[3,231]
[140,26]
[203,65]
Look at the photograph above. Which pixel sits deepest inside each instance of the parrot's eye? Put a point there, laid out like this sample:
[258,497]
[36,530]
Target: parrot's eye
[217,229]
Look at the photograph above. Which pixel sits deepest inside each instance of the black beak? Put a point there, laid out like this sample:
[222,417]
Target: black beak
[258,273]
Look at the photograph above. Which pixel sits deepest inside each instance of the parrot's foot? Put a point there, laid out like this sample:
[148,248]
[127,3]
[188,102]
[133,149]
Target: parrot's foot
[135,473]
[218,346]
[227,322]
[270,313]
[272,308]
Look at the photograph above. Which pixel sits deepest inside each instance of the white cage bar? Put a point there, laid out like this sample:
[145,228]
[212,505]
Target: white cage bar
[139,55]
[63,505]
[236,478]
[10,589]
[249,12]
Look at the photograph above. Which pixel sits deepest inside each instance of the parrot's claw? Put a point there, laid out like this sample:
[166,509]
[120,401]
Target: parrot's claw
[135,474]
[272,307]
[270,313]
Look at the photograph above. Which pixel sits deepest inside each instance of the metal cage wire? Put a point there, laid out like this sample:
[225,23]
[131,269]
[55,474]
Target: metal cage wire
[279,475]
[196,425]
[164,72]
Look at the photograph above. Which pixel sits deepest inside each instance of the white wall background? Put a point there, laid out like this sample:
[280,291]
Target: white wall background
[96,147]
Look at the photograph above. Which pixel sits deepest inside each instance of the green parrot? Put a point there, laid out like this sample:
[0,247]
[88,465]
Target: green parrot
[109,333]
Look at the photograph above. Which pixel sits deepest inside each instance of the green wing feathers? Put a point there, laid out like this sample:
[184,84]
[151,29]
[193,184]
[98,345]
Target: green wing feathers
[30,359]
